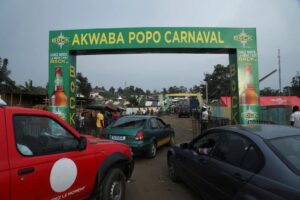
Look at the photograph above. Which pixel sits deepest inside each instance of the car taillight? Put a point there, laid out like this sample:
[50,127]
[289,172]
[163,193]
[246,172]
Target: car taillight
[139,135]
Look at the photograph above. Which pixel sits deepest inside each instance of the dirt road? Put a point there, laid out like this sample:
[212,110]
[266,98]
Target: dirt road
[150,179]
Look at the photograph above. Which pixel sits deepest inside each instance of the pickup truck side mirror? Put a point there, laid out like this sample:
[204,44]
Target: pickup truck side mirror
[168,126]
[82,143]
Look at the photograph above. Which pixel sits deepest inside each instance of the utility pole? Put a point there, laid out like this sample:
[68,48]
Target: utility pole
[206,87]
[279,71]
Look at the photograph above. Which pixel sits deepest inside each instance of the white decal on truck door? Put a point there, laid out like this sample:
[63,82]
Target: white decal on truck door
[63,174]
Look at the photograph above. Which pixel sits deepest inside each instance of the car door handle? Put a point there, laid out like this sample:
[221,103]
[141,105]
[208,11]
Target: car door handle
[25,171]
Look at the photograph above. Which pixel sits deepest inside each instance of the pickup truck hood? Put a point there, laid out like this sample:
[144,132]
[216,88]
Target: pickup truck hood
[94,140]
[105,146]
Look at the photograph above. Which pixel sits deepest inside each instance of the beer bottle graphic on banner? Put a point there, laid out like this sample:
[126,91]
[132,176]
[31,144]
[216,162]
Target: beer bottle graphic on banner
[248,98]
[59,100]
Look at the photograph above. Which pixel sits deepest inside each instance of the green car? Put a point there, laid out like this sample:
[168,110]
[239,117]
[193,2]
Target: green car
[144,134]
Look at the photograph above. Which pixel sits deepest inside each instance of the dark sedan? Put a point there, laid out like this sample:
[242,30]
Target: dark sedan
[240,162]
[184,111]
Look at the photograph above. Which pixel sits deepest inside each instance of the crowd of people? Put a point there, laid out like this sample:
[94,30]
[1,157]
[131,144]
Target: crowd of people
[101,119]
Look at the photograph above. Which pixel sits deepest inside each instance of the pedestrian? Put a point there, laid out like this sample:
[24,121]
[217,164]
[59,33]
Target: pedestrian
[81,120]
[295,117]
[151,111]
[209,115]
[147,112]
[204,119]
[100,125]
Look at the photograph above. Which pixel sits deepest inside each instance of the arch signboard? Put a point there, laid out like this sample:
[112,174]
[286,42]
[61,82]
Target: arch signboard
[238,43]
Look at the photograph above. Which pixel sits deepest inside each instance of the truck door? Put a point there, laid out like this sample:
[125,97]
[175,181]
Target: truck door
[45,160]
[4,165]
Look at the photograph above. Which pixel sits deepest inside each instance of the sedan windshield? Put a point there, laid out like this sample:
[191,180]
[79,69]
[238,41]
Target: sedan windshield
[288,148]
[126,122]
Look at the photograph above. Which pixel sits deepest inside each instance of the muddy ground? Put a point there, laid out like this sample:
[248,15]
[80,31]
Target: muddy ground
[150,179]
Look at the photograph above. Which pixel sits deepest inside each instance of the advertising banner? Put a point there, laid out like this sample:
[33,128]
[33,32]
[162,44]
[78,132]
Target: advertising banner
[239,43]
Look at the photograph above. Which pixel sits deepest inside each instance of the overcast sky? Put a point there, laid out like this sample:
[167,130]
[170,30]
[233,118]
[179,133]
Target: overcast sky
[25,26]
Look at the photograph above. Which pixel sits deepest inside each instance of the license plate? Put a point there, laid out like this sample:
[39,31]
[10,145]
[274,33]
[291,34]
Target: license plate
[116,137]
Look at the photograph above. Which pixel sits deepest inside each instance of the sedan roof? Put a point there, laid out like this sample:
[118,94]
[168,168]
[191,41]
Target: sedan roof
[265,131]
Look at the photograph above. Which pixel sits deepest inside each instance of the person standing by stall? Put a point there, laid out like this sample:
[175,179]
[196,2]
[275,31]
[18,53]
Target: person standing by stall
[100,125]
[204,119]
[295,117]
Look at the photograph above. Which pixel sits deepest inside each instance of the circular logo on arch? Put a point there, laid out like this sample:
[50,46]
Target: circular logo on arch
[63,174]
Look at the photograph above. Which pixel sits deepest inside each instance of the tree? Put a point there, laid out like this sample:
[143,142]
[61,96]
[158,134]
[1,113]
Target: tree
[139,91]
[175,89]
[195,89]
[120,91]
[269,92]
[295,88]
[83,85]
[28,86]
[133,101]
[287,91]
[6,84]
[218,82]
[164,91]
[112,91]
[148,92]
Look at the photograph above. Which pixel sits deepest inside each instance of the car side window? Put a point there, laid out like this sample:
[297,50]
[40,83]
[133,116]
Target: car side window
[39,135]
[153,123]
[161,124]
[231,148]
[252,161]
[206,144]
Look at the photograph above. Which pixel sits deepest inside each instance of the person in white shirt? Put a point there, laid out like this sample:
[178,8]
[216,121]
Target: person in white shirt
[204,119]
[295,117]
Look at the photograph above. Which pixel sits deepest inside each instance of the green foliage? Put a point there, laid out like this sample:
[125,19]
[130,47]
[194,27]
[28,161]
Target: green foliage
[269,92]
[28,88]
[218,82]
[133,101]
[195,89]
[83,85]
[6,84]
[175,89]
[295,87]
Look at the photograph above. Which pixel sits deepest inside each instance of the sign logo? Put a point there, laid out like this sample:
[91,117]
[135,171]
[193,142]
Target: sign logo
[243,37]
[249,114]
[61,40]
[279,100]
[63,174]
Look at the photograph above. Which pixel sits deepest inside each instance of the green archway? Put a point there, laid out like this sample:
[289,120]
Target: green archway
[239,43]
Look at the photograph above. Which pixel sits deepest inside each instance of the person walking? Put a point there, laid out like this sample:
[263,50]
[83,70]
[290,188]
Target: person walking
[295,117]
[100,125]
[81,120]
[204,119]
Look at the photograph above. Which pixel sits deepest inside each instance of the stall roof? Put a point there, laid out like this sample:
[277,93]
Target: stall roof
[268,101]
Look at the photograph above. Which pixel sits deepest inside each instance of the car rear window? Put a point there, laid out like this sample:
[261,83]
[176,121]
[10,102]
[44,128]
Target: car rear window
[288,149]
[129,123]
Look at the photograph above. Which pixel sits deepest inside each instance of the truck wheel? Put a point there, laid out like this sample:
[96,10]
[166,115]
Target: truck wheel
[171,169]
[113,186]
[152,150]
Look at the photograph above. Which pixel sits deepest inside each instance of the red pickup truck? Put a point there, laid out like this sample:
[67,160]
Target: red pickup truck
[43,157]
